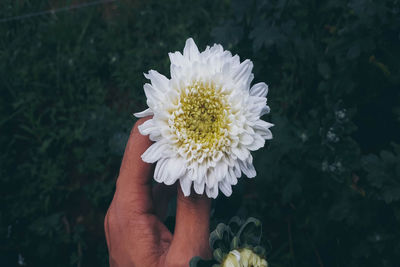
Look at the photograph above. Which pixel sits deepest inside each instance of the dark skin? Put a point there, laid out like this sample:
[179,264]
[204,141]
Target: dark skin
[135,233]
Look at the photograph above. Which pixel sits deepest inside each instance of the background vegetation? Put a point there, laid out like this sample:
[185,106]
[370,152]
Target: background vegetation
[328,184]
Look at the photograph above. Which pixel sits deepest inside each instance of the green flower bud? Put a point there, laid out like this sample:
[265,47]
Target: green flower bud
[244,258]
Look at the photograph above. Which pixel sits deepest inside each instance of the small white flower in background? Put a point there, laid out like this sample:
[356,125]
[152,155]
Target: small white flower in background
[242,258]
[331,136]
[206,120]
[341,114]
[333,167]
[303,137]
[21,260]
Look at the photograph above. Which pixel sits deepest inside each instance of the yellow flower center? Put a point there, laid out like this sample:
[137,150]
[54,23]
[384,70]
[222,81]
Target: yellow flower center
[202,116]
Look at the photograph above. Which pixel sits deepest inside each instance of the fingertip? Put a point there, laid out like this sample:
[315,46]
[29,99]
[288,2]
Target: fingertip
[135,129]
[137,142]
[192,200]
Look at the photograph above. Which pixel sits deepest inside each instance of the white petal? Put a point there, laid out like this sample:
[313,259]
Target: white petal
[155,136]
[152,94]
[231,177]
[175,169]
[155,152]
[246,139]
[225,188]
[242,74]
[176,72]
[144,113]
[247,168]
[221,170]
[260,125]
[177,59]
[147,127]
[262,128]
[217,155]
[158,81]
[265,133]
[193,171]
[249,80]
[241,152]
[259,89]
[202,171]
[228,160]
[212,192]
[211,178]
[235,60]
[186,184]
[236,170]
[256,104]
[160,171]
[191,51]
[258,143]
[265,110]
[199,187]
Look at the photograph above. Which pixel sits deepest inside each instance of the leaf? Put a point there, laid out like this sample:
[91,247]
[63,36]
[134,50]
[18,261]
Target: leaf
[219,255]
[200,262]
[235,243]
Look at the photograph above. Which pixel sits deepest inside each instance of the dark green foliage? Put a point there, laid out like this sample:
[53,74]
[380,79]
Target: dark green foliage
[326,194]
[328,185]
[69,85]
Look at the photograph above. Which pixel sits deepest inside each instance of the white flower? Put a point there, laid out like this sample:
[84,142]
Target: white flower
[206,120]
[242,258]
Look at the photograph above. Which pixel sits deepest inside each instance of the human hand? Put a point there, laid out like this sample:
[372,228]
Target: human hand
[135,233]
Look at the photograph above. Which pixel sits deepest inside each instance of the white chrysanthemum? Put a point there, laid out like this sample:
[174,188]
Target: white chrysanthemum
[244,258]
[206,120]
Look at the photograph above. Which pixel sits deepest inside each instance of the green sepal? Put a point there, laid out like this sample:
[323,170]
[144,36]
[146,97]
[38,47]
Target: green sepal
[220,237]
[219,255]
[250,232]
[235,243]
[234,224]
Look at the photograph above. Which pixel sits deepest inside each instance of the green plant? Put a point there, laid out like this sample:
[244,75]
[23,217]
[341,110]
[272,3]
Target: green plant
[236,237]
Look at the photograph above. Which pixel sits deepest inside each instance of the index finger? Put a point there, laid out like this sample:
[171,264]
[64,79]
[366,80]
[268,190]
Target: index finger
[134,180]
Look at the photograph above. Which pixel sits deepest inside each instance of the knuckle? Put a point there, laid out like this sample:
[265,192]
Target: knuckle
[109,220]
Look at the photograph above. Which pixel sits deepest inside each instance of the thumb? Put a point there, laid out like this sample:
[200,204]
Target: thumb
[192,227]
